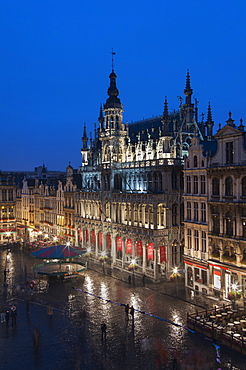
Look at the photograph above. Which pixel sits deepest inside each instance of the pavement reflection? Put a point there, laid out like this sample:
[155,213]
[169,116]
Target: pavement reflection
[71,339]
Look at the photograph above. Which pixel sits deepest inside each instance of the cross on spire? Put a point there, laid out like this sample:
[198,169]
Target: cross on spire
[113,53]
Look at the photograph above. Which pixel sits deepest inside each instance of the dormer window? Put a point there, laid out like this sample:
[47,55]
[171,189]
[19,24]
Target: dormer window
[228,187]
[195,161]
[229,152]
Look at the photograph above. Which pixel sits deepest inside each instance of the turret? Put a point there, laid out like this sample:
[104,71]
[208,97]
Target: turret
[165,118]
[209,124]
[85,149]
[188,106]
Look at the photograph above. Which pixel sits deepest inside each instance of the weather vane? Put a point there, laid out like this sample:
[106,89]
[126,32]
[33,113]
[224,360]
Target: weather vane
[113,53]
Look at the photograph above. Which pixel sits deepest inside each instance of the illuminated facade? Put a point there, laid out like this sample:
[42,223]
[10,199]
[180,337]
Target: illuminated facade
[7,208]
[215,217]
[129,211]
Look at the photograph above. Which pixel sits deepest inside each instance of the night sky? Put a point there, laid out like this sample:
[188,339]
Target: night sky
[55,62]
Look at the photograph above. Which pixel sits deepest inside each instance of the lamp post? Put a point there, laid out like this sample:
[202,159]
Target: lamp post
[175,273]
[8,233]
[133,265]
[103,255]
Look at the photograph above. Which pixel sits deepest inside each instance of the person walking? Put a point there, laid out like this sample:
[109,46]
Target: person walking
[7,316]
[13,315]
[127,311]
[103,330]
[132,313]
[36,339]
[50,311]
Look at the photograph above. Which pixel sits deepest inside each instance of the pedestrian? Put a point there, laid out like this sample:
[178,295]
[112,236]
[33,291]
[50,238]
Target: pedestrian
[7,316]
[143,279]
[50,311]
[132,313]
[2,315]
[103,330]
[127,311]
[36,339]
[13,315]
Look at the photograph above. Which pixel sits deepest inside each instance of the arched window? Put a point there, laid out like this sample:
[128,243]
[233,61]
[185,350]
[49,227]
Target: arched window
[188,217]
[203,184]
[229,224]
[229,253]
[244,186]
[188,184]
[189,276]
[174,255]
[215,186]
[196,240]
[216,223]
[228,186]
[117,122]
[189,240]
[215,251]
[195,161]
[174,214]
[117,182]
[195,183]
[174,181]
[204,242]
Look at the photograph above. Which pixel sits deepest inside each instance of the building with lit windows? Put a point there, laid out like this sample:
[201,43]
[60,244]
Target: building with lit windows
[129,212]
[215,245]
[7,208]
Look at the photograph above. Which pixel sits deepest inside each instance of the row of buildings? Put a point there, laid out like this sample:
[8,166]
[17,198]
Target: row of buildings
[161,197]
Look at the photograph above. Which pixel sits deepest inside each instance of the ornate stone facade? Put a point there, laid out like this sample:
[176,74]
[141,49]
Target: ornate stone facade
[218,266]
[130,209]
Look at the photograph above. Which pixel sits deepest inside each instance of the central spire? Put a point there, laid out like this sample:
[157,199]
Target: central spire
[113,101]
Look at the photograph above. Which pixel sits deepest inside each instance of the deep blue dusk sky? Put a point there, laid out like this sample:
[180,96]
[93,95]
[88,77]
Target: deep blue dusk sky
[55,62]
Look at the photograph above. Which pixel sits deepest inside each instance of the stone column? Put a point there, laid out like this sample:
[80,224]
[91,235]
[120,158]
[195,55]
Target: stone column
[113,247]
[144,256]
[156,272]
[97,241]
[123,251]
[155,216]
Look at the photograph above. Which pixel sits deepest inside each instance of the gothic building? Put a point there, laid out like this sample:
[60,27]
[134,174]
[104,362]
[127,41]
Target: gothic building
[129,211]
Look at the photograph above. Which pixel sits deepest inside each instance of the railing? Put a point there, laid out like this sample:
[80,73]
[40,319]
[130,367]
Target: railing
[212,324]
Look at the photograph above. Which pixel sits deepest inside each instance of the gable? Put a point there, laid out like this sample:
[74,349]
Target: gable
[227,131]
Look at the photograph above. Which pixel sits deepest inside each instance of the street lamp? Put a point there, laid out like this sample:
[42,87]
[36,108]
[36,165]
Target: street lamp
[102,259]
[8,233]
[133,265]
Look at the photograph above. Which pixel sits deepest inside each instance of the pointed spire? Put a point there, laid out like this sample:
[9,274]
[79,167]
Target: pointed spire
[209,122]
[165,111]
[241,126]
[187,86]
[113,101]
[165,118]
[209,116]
[188,90]
[84,138]
[100,118]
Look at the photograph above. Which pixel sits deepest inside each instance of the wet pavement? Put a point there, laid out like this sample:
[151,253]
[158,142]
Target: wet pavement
[71,337]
